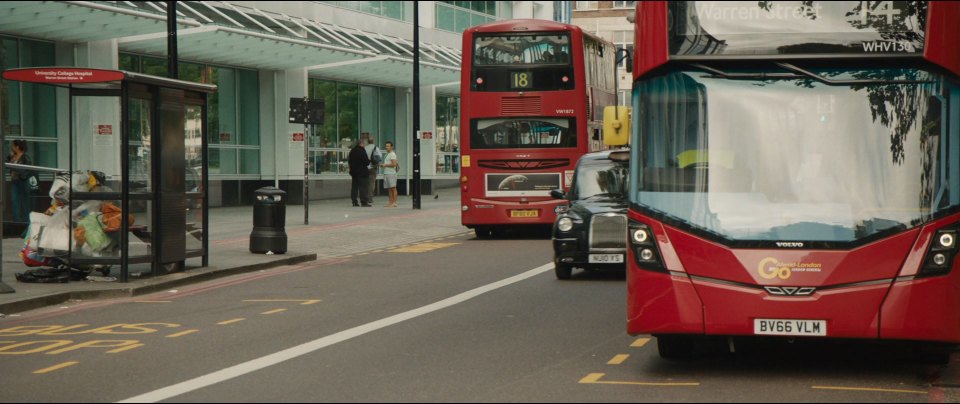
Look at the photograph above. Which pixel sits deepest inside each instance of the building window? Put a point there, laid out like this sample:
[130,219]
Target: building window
[586,5]
[623,40]
[233,112]
[457,16]
[351,112]
[28,111]
[447,137]
[624,4]
[397,10]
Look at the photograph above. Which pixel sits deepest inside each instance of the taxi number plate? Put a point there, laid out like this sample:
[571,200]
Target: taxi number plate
[606,258]
[524,213]
[791,328]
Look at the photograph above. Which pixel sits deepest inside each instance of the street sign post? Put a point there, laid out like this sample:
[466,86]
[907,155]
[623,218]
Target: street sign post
[308,112]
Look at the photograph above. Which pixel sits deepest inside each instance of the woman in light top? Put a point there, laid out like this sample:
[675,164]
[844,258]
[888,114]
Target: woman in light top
[390,167]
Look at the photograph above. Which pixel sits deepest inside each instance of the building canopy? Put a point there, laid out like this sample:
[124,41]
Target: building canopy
[223,33]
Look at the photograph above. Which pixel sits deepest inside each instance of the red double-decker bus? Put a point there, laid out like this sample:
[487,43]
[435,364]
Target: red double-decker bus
[795,170]
[532,97]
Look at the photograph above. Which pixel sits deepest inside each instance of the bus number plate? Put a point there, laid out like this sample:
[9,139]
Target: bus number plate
[521,80]
[790,328]
[524,213]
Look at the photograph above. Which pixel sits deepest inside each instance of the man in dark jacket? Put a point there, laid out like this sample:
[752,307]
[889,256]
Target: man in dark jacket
[360,175]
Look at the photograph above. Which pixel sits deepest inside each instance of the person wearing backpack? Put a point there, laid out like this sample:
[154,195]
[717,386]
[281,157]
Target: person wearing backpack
[19,180]
[375,159]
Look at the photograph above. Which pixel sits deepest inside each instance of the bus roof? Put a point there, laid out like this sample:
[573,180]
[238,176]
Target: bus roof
[523,25]
[709,31]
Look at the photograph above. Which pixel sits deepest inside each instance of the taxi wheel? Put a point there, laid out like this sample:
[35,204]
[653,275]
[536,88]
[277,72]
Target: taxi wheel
[563,271]
[675,347]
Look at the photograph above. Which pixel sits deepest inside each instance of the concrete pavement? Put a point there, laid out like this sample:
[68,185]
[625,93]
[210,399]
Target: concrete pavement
[336,229]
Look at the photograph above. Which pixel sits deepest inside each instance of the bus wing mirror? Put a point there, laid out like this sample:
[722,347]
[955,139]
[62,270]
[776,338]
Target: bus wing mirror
[616,126]
[558,194]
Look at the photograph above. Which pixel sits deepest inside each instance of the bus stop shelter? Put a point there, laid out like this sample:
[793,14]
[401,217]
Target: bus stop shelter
[137,151]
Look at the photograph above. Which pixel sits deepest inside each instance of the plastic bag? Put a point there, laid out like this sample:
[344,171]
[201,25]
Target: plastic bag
[55,235]
[93,233]
[110,217]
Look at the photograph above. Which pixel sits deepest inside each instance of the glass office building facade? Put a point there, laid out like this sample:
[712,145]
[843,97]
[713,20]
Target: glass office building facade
[355,56]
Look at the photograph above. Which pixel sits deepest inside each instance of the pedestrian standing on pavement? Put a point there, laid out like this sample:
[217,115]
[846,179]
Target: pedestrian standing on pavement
[390,167]
[375,158]
[18,179]
[359,174]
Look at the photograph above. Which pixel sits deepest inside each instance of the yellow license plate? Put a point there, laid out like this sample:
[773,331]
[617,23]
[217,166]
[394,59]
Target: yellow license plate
[524,213]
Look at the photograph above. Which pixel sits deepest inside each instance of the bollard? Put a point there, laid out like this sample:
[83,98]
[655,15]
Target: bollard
[269,219]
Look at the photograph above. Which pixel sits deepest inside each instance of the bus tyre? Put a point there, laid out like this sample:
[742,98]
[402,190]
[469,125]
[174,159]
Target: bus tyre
[563,271]
[482,232]
[675,347]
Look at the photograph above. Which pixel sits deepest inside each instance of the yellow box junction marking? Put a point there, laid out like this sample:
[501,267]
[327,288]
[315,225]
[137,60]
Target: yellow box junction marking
[640,343]
[55,368]
[303,302]
[594,378]
[228,322]
[422,247]
[267,313]
[872,390]
[619,359]
[182,333]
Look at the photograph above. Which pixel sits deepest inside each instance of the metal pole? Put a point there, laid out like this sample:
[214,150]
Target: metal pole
[4,288]
[416,106]
[306,165]
[173,70]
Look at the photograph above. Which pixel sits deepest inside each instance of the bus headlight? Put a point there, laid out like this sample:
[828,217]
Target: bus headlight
[644,248]
[640,236]
[941,254]
[565,224]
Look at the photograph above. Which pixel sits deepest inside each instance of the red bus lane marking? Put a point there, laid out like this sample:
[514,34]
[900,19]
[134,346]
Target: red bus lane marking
[316,229]
[245,278]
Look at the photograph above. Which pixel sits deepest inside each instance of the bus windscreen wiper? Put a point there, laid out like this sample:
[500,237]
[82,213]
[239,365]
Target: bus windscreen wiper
[801,73]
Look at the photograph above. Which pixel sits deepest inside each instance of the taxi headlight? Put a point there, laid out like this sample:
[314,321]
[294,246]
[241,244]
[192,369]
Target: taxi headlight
[565,224]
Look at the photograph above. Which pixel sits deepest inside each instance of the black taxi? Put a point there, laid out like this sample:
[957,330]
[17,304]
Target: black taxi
[592,231]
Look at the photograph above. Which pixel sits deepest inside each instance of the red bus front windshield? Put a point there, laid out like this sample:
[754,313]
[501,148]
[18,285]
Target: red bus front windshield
[796,159]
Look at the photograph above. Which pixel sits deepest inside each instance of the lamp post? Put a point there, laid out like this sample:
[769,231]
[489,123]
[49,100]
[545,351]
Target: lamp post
[173,70]
[415,187]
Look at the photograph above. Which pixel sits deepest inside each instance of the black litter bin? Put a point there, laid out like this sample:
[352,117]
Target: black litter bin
[269,219]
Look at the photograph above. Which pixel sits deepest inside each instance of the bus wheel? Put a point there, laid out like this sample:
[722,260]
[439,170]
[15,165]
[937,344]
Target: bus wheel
[482,232]
[563,271]
[675,347]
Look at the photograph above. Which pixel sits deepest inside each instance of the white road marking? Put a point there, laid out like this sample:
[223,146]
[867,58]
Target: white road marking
[300,350]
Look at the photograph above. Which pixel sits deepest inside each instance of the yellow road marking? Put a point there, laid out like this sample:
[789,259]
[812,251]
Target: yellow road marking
[870,390]
[274,311]
[618,360]
[182,333]
[640,342]
[126,348]
[236,320]
[421,248]
[55,368]
[154,301]
[362,254]
[303,302]
[594,378]
[379,251]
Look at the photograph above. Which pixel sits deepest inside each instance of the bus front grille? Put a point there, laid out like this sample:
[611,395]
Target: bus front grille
[608,232]
[513,106]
